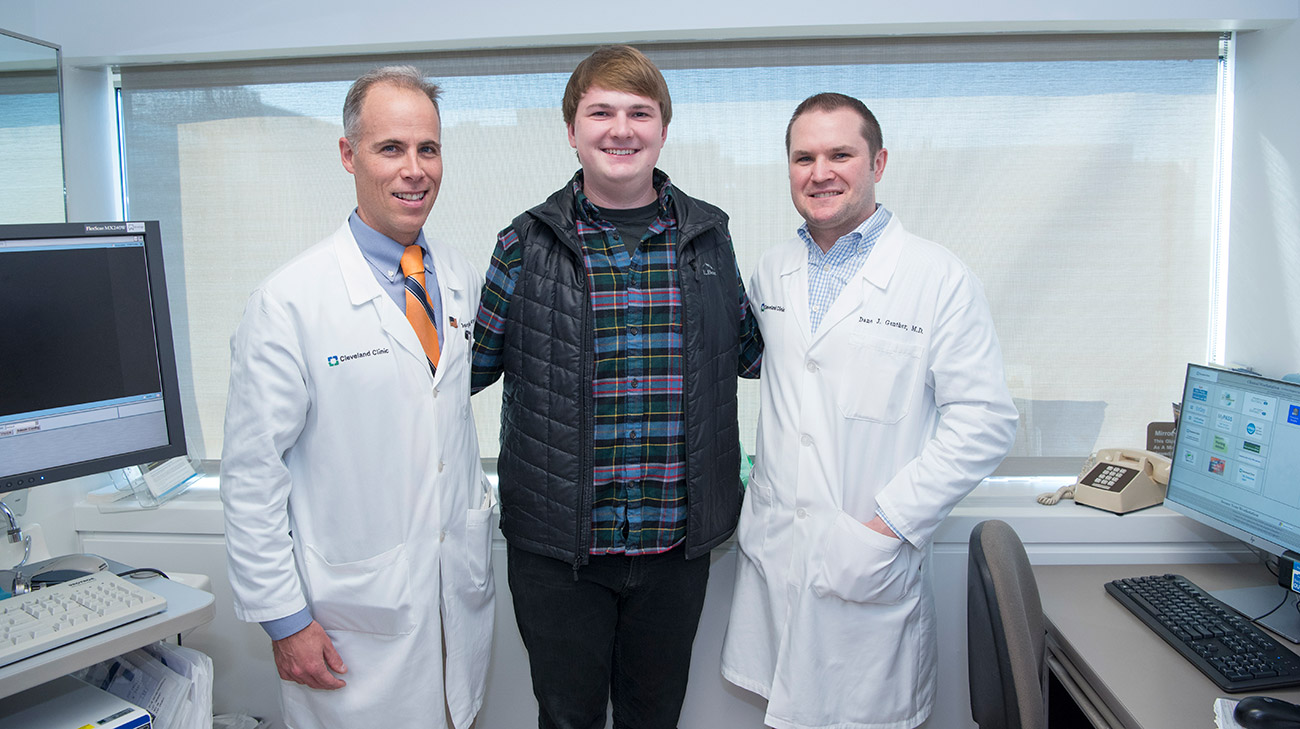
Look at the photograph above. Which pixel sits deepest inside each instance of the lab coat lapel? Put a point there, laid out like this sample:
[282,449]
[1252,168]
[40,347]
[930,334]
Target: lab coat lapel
[874,275]
[364,290]
[880,265]
[452,288]
[794,288]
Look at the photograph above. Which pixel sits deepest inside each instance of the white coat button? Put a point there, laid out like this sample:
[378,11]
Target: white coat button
[801,512]
[812,366]
[442,537]
[806,440]
[435,393]
[441,465]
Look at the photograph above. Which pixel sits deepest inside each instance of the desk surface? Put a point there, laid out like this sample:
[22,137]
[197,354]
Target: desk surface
[186,608]
[1137,680]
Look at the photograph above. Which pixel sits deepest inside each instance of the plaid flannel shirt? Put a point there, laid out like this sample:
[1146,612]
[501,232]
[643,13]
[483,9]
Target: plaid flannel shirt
[639,466]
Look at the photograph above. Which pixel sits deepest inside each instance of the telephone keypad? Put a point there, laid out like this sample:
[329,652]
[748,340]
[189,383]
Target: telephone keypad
[1110,477]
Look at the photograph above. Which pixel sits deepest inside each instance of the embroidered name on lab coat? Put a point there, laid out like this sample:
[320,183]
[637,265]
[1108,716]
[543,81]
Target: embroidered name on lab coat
[880,321]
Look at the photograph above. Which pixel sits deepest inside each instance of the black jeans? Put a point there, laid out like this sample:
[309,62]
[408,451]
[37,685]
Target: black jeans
[621,629]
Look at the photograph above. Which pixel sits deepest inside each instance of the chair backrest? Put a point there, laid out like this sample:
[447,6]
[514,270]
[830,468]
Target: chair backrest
[1006,636]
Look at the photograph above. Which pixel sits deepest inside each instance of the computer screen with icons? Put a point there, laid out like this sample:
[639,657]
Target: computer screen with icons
[1236,464]
[87,365]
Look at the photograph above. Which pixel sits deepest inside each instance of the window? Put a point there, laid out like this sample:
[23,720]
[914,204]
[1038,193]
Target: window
[1073,174]
[30,143]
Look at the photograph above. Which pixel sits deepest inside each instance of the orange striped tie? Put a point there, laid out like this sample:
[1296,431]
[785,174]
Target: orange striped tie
[418,309]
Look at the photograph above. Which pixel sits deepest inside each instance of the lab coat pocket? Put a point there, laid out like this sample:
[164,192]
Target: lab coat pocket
[885,373]
[859,564]
[751,532]
[372,595]
[478,545]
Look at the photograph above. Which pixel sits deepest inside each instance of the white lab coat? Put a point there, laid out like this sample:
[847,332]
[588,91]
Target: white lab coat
[352,484]
[899,400]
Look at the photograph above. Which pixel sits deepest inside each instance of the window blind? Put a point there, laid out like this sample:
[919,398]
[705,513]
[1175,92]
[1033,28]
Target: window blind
[1072,173]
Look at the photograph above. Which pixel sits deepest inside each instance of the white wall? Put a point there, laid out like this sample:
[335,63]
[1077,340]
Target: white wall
[1264,262]
[164,30]
[90,157]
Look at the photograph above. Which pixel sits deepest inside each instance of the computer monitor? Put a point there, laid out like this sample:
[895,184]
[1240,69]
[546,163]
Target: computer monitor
[87,367]
[1236,468]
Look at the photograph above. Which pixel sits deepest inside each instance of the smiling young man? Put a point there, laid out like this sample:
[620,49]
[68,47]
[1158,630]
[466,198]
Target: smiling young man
[618,318]
[882,404]
[350,465]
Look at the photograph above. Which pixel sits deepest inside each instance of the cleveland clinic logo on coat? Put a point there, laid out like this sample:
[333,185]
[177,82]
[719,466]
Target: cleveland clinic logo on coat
[335,360]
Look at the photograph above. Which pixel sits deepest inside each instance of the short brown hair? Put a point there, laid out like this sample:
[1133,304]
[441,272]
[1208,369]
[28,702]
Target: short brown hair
[404,77]
[617,68]
[831,101]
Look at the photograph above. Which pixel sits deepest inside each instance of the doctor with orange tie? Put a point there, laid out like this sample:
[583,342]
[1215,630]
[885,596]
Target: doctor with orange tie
[357,514]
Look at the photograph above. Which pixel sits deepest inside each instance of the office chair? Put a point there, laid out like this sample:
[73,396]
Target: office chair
[1006,636]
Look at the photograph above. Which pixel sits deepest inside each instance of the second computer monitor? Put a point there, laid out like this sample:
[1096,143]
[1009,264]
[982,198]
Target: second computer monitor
[1236,464]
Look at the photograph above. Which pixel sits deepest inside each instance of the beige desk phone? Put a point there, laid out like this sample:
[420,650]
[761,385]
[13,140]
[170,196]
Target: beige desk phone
[1119,480]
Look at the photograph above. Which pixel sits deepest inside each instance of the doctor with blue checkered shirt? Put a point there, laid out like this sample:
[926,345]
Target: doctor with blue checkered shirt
[882,404]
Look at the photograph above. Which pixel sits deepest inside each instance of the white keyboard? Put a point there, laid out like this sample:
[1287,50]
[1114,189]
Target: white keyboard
[59,614]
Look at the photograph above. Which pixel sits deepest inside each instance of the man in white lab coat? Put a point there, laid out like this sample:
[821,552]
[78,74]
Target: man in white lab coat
[356,509]
[883,403]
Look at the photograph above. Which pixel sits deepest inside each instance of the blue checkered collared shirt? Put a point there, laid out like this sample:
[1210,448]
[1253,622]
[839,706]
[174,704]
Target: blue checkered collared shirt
[829,272]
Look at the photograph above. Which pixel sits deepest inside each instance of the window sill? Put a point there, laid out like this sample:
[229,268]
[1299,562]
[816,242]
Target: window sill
[1046,530]
[197,511]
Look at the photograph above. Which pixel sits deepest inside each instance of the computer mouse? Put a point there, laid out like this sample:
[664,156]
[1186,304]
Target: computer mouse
[67,567]
[84,563]
[1266,712]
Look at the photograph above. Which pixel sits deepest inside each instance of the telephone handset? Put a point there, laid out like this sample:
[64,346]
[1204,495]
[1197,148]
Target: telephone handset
[1118,480]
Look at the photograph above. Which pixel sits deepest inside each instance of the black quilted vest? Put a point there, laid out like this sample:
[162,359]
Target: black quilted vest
[547,409]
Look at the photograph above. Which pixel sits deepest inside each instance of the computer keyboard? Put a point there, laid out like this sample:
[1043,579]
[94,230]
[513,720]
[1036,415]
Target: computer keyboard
[1228,648]
[39,621]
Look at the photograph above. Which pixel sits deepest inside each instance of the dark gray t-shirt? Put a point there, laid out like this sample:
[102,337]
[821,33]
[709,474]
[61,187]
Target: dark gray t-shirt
[631,223]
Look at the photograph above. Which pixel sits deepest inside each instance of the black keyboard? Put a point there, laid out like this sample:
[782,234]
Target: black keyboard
[1228,648]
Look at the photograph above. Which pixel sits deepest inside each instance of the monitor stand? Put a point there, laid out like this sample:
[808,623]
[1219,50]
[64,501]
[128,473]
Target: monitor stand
[1255,601]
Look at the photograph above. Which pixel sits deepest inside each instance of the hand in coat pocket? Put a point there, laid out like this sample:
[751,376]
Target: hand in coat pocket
[859,564]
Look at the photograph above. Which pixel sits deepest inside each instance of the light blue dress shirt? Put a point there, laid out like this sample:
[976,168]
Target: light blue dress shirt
[385,258]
